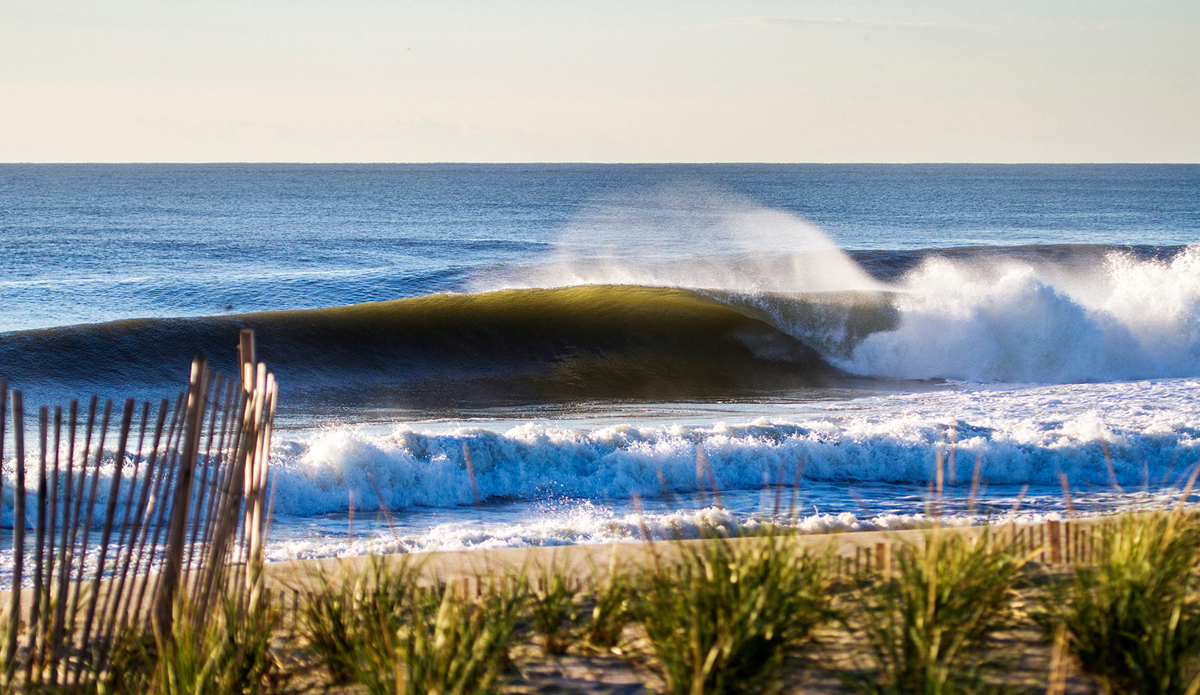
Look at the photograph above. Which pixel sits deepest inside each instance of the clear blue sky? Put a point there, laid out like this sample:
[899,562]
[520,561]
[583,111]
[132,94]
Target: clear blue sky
[368,80]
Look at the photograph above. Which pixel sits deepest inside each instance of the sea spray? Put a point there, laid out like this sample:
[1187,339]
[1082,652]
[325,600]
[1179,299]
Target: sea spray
[691,236]
[1008,321]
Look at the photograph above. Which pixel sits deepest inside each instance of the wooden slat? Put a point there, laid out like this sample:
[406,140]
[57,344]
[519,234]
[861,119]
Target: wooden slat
[49,647]
[109,514]
[201,488]
[87,530]
[124,556]
[64,572]
[18,554]
[75,524]
[39,548]
[177,531]
[135,535]
[156,504]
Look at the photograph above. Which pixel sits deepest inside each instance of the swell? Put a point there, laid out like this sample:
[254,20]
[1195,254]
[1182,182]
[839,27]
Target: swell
[511,345]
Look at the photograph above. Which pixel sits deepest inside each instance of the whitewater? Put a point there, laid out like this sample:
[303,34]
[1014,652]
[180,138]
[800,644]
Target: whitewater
[633,351]
[1112,408]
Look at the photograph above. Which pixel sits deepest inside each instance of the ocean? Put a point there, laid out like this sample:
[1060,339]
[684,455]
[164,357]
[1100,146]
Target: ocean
[635,350]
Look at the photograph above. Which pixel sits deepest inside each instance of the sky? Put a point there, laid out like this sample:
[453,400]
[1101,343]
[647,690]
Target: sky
[592,81]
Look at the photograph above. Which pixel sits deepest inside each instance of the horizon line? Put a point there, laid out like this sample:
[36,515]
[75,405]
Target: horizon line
[586,163]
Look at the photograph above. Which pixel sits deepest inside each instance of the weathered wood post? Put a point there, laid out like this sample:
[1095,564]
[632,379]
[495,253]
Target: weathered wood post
[18,547]
[1054,531]
[176,533]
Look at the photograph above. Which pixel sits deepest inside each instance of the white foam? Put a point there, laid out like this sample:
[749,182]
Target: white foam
[972,320]
[1149,431]
[586,523]
[1019,435]
[1014,322]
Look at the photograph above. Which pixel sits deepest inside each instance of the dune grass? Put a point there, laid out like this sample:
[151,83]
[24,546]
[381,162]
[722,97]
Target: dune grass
[338,618]
[228,650]
[380,629]
[1133,619]
[927,623]
[727,615]
[611,607]
[721,615]
[554,608]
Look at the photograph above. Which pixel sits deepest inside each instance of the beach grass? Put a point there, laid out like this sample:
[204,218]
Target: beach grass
[337,618]
[227,650]
[554,608]
[381,629]
[726,616]
[611,605]
[942,611]
[1132,620]
[926,624]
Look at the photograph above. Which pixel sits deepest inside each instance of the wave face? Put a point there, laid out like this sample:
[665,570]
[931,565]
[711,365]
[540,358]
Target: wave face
[515,345]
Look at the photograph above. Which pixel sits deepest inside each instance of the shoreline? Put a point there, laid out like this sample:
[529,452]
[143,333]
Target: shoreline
[582,561]
[578,561]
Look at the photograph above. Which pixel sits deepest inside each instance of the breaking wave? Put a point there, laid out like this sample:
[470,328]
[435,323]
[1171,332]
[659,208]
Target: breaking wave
[1148,438]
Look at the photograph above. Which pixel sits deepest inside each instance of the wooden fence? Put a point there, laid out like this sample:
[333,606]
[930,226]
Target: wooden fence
[1053,543]
[138,508]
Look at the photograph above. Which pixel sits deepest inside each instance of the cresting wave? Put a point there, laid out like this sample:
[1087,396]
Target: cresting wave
[1133,442]
[515,345]
[986,315]
[1048,314]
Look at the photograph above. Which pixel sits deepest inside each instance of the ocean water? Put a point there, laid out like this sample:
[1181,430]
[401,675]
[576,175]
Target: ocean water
[822,335]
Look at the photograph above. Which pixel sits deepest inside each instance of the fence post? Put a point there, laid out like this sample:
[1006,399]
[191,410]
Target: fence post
[1054,531]
[18,547]
[883,557]
[176,535]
